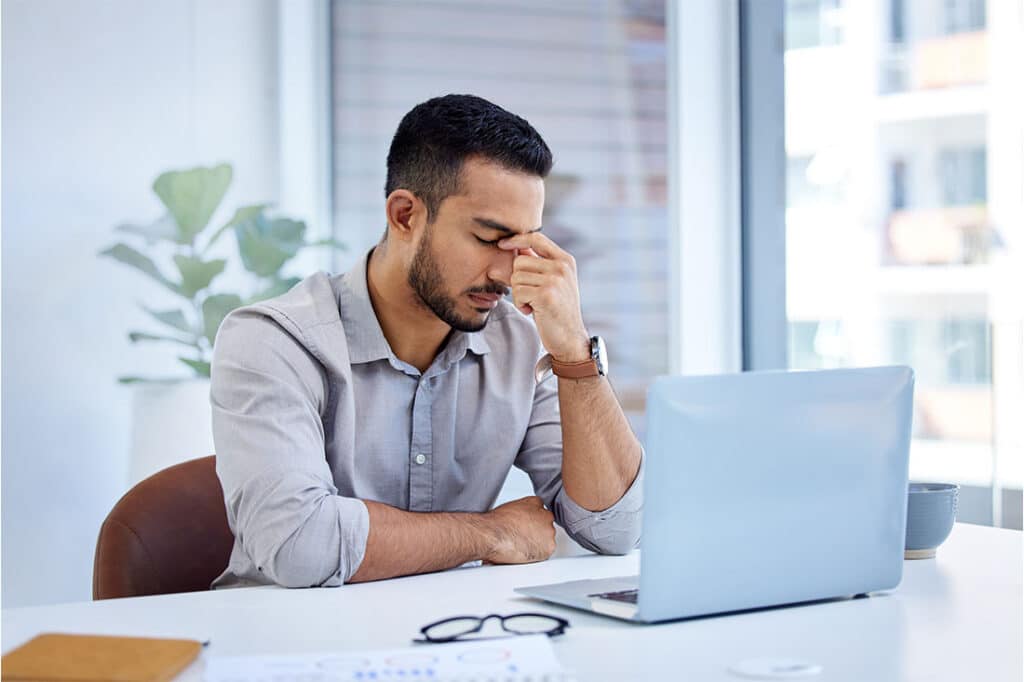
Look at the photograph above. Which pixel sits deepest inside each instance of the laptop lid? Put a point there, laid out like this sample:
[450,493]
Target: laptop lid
[768,488]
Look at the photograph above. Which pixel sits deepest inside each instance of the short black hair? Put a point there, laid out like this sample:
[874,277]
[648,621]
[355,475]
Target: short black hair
[436,137]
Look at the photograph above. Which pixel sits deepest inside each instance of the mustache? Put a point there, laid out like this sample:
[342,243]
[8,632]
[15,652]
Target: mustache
[499,289]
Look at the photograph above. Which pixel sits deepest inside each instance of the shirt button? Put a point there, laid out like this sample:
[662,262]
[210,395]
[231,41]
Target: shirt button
[420,458]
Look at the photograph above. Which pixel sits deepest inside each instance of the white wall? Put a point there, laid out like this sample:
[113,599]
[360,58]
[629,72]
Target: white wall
[99,98]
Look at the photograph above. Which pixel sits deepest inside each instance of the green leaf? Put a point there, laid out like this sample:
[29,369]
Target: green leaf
[192,196]
[130,256]
[172,318]
[215,309]
[201,367]
[135,337]
[333,243]
[149,380]
[196,274]
[162,229]
[265,245]
[245,213]
[276,288]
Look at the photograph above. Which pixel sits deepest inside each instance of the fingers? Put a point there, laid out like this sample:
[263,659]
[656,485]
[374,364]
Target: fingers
[536,253]
[531,500]
[536,242]
[528,278]
[525,295]
[534,264]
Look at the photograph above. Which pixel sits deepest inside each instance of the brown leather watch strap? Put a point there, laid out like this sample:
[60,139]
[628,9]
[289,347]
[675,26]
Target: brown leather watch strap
[575,370]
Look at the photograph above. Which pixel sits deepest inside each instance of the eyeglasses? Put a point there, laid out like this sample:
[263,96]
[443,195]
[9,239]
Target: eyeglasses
[451,629]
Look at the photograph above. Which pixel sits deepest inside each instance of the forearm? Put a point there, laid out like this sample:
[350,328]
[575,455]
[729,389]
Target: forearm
[600,453]
[406,543]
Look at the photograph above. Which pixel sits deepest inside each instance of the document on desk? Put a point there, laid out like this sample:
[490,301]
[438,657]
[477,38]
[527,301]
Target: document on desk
[510,659]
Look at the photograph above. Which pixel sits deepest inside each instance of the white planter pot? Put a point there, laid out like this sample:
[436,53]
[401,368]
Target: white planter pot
[170,424]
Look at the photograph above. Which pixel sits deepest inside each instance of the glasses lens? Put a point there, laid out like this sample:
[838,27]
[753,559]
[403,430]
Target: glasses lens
[530,625]
[456,627]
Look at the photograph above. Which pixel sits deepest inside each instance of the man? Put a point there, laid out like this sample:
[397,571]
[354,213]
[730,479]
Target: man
[365,423]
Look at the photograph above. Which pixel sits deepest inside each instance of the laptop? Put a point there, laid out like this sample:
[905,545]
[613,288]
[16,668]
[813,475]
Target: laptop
[764,489]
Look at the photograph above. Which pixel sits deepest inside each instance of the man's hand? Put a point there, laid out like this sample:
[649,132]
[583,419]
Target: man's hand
[407,543]
[524,532]
[544,284]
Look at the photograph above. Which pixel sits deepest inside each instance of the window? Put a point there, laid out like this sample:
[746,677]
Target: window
[897,30]
[962,175]
[917,260]
[812,23]
[591,77]
[810,181]
[897,185]
[962,16]
[968,356]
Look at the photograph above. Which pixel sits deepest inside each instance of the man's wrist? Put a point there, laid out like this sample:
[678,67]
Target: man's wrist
[487,534]
[579,353]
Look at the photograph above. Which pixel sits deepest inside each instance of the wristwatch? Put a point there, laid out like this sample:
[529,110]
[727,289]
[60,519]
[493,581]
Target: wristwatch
[596,365]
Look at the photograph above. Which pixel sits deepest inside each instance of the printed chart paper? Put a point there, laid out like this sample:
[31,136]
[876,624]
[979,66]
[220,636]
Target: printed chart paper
[513,658]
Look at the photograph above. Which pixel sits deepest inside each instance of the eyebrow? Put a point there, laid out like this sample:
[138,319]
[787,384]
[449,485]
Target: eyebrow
[491,225]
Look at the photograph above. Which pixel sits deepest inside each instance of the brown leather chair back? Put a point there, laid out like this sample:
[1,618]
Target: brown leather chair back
[167,534]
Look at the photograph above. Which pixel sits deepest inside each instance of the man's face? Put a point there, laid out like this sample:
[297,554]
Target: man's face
[458,271]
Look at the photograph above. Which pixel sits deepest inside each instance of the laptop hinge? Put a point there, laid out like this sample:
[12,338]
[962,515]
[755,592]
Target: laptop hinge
[617,609]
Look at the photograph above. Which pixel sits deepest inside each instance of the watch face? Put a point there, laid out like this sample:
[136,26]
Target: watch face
[599,354]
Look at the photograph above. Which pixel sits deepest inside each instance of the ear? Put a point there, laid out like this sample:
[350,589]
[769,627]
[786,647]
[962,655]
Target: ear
[406,214]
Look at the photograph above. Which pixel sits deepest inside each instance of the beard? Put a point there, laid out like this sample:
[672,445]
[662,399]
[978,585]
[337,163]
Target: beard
[426,280]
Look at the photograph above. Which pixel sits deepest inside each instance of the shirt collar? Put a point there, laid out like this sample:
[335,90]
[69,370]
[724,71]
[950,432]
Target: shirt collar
[366,341]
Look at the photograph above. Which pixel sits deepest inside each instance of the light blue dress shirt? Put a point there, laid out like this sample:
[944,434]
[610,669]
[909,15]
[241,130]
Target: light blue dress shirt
[313,413]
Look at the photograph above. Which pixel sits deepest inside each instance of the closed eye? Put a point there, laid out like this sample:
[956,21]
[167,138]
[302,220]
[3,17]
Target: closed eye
[493,242]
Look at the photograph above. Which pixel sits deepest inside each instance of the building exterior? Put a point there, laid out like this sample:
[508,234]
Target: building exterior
[905,227]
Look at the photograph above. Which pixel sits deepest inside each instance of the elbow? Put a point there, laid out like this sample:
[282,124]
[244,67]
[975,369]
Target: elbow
[286,576]
[612,538]
[619,543]
[296,568]
[322,550]
[294,563]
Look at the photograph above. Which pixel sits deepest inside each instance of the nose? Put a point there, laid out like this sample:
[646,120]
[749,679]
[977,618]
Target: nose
[501,267]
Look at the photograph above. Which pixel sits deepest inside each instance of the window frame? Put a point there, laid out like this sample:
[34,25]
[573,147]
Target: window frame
[763,195]
[305,136]
[706,333]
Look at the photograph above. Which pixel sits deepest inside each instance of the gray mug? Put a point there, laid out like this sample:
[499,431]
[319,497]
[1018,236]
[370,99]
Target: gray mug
[931,511]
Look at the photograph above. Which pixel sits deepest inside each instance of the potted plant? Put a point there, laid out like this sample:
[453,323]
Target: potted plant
[171,415]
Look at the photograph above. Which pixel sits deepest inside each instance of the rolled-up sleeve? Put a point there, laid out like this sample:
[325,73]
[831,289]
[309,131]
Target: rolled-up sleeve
[615,530]
[267,394]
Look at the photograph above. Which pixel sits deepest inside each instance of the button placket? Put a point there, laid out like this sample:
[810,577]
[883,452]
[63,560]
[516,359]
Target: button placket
[421,488]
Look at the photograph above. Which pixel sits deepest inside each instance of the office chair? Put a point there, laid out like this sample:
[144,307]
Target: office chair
[167,534]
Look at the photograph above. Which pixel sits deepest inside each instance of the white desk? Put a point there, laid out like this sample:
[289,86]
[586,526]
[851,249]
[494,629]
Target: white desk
[957,617]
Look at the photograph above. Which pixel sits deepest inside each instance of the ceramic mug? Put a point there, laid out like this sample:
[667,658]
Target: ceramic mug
[931,511]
